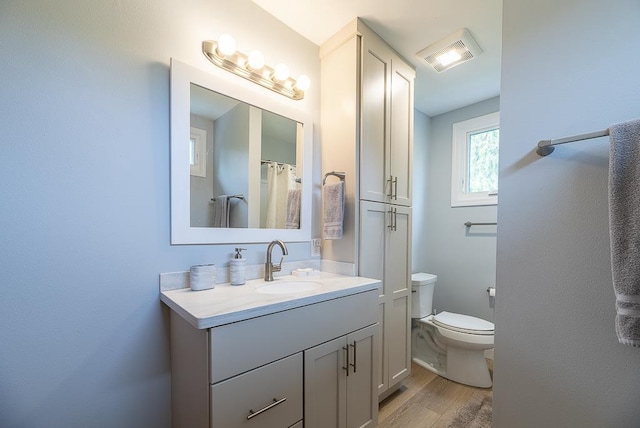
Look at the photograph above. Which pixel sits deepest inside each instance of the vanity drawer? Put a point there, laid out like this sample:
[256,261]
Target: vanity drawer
[239,347]
[276,389]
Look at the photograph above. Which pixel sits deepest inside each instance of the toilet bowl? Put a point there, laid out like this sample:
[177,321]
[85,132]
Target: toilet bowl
[448,344]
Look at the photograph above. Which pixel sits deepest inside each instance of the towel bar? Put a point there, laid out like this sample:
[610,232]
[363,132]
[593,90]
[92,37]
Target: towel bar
[469,224]
[545,147]
[340,175]
[238,196]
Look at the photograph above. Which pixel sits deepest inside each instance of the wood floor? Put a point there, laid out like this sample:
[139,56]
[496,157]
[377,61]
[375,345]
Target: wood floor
[427,400]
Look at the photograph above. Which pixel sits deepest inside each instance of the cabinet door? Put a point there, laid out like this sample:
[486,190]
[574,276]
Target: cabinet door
[374,219]
[362,396]
[325,385]
[374,140]
[398,292]
[401,140]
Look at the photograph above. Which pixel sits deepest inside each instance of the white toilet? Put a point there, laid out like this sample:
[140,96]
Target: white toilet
[450,345]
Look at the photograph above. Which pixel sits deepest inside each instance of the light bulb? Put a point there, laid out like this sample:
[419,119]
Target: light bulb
[256,60]
[303,82]
[448,58]
[281,72]
[226,45]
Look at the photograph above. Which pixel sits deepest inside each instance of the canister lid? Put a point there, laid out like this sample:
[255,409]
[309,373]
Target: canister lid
[422,278]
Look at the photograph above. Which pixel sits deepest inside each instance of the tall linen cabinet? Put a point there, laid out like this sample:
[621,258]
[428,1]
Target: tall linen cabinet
[367,133]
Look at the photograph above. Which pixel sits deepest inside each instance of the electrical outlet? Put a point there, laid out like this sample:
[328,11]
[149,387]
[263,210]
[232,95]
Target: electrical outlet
[315,246]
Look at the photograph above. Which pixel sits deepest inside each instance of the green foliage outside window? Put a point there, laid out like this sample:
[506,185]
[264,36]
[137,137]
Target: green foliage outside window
[483,161]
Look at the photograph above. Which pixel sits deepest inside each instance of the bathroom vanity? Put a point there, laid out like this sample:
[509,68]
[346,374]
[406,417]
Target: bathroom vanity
[286,353]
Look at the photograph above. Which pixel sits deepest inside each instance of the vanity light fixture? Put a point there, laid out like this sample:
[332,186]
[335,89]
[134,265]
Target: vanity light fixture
[252,67]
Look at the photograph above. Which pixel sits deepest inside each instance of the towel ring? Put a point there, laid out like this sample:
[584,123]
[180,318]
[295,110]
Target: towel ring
[340,175]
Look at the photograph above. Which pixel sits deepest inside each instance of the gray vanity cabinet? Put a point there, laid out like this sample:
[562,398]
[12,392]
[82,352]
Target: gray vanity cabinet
[257,372]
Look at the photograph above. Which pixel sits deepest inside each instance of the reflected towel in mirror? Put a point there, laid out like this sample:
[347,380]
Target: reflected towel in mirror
[221,211]
[293,209]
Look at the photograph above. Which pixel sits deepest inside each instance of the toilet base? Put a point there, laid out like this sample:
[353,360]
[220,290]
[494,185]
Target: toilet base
[468,367]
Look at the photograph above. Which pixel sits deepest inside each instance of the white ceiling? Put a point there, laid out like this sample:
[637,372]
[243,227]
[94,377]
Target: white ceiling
[409,26]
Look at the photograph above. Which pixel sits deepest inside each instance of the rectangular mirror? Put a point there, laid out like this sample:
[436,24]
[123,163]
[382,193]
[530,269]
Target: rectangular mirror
[240,163]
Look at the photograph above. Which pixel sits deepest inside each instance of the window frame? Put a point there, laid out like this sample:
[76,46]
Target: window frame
[199,137]
[460,161]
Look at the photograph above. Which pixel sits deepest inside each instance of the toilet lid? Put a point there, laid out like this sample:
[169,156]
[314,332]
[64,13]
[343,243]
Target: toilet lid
[463,323]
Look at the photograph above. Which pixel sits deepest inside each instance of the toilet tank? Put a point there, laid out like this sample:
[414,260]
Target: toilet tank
[422,285]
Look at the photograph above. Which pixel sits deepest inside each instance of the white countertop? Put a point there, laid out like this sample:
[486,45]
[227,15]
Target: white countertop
[227,303]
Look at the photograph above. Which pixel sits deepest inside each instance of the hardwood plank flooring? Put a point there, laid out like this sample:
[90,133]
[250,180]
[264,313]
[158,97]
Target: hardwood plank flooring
[427,400]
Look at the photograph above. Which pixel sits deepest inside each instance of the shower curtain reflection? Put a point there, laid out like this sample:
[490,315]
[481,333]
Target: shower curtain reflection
[280,180]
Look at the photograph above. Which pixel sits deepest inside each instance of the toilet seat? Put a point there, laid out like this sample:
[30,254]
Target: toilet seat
[463,323]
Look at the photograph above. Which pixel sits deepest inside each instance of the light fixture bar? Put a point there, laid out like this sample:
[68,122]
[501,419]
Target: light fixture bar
[238,64]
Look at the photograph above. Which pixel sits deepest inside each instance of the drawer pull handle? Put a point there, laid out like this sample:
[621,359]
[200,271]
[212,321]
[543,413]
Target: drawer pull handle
[274,404]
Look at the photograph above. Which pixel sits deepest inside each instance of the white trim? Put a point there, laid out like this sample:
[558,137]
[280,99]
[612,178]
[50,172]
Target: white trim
[182,75]
[461,130]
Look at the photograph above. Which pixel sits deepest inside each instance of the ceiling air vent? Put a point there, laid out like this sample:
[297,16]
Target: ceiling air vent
[451,51]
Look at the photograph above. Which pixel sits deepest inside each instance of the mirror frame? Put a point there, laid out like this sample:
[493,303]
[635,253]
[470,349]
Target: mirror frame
[182,75]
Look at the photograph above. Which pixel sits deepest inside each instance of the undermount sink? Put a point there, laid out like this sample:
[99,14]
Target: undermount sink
[287,287]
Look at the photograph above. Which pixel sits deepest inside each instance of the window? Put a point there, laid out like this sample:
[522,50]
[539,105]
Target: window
[474,171]
[198,152]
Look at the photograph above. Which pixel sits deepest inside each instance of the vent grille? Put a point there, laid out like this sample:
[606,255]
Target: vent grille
[461,42]
[459,47]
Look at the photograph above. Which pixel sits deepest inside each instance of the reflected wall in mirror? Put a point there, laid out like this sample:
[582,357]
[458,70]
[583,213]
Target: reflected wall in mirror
[240,162]
[229,138]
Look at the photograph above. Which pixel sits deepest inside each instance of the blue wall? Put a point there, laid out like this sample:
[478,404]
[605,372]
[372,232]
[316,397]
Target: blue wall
[568,67]
[84,218]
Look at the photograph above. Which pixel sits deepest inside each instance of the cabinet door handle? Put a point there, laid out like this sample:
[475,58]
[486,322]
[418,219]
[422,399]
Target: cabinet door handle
[347,364]
[390,225]
[253,414]
[355,350]
[395,188]
[395,219]
[390,181]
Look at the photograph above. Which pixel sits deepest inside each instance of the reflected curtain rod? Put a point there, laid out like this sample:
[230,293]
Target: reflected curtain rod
[545,147]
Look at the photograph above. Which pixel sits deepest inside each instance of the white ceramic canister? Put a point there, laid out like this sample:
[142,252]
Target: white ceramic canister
[202,277]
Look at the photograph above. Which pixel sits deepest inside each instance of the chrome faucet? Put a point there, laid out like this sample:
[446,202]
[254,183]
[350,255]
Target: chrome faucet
[270,268]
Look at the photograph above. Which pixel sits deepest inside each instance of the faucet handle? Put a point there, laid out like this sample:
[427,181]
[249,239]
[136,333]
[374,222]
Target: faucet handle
[278,267]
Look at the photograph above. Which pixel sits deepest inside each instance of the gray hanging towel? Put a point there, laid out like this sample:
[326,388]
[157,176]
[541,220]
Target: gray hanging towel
[221,211]
[624,227]
[333,209]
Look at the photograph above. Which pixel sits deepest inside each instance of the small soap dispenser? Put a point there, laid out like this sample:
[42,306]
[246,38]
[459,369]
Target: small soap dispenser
[237,268]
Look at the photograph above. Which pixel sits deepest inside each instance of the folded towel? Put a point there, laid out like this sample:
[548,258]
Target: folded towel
[333,209]
[221,211]
[624,228]
[293,209]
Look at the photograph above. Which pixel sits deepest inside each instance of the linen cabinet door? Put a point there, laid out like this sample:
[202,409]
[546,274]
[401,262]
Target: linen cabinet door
[374,140]
[374,218]
[401,151]
[397,288]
